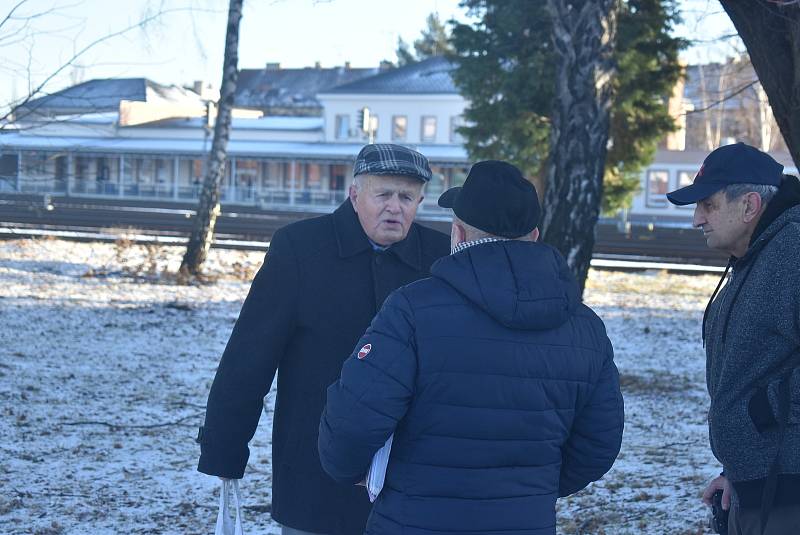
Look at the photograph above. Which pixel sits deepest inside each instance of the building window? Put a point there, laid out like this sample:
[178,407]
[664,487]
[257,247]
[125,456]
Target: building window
[34,163]
[657,185]
[399,127]
[8,167]
[313,176]
[247,172]
[342,126]
[456,122]
[685,178]
[274,172]
[428,134]
[374,124]
[81,167]
[458,175]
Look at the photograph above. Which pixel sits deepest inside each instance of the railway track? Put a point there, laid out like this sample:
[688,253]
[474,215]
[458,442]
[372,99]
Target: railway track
[670,244]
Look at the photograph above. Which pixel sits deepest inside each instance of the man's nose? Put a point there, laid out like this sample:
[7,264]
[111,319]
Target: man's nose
[698,220]
[393,204]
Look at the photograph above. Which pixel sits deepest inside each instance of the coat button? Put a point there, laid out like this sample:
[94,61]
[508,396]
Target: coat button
[379,259]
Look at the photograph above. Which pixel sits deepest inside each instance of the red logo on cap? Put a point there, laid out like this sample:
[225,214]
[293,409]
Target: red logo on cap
[702,168]
[364,351]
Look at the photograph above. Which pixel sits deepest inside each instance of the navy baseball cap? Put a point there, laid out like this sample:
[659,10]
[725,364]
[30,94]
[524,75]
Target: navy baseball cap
[731,164]
[495,198]
[390,159]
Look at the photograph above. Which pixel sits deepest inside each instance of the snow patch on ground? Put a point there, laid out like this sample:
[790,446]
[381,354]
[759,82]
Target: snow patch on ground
[105,366]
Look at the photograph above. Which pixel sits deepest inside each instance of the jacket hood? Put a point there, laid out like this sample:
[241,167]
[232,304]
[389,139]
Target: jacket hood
[522,285]
[780,211]
[788,196]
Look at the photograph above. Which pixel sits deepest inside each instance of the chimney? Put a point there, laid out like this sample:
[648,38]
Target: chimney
[347,65]
[205,90]
[273,66]
[385,65]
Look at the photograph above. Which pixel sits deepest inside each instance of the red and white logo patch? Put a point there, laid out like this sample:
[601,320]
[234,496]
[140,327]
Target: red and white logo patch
[364,351]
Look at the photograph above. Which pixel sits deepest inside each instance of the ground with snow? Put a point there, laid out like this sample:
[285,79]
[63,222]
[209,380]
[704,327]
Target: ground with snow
[106,362]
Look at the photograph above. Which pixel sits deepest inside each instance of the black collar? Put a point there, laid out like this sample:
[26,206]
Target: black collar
[352,239]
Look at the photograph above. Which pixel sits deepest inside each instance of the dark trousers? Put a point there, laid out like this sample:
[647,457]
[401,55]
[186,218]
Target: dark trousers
[286,530]
[782,521]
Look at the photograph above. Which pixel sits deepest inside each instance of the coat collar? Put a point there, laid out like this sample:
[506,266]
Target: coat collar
[352,239]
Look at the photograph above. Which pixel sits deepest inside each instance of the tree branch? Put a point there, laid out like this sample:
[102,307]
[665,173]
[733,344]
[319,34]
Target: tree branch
[114,427]
[725,98]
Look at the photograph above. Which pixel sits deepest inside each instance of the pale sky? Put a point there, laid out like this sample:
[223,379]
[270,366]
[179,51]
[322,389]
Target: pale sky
[187,43]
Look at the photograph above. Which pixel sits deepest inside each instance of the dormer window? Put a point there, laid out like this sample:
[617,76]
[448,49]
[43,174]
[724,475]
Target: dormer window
[399,127]
[342,126]
[428,134]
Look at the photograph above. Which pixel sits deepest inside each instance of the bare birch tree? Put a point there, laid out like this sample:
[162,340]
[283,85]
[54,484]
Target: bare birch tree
[209,208]
[18,27]
[583,37]
[770,30]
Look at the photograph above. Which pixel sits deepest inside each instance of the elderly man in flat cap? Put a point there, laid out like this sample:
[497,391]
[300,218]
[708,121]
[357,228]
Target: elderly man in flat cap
[497,383]
[321,284]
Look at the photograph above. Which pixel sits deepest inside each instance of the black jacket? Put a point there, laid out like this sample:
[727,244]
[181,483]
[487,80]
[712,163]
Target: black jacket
[316,294]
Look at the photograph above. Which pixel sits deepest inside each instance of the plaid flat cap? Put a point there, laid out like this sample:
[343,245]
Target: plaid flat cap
[389,159]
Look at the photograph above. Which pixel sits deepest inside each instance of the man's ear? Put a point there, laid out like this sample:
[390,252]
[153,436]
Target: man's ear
[353,194]
[752,206]
[458,234]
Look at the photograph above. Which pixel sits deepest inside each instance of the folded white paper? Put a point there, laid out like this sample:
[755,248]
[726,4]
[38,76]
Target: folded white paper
[377,470]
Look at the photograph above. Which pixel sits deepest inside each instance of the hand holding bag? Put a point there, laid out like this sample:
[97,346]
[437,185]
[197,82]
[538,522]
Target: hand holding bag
[229,518]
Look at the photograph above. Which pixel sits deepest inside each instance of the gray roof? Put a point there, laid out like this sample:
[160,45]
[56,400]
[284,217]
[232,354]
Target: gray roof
[430,76]
[267,89]
[284,124]
[105,95]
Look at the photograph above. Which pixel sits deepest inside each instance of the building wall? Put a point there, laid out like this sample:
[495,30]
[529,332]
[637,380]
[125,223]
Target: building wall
[445,108]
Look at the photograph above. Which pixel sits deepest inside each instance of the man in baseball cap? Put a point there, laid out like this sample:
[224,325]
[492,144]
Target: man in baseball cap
[747,208]
[730,164]
[496,382]
[322,282]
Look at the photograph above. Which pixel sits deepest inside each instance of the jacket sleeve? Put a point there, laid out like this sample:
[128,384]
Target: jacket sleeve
[372,394]
[249,362]
[596,433]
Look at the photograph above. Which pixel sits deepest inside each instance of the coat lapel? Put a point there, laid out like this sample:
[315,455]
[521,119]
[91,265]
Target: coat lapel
[352,240]
[350,237]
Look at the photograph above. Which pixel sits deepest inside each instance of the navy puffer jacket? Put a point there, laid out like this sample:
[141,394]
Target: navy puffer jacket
[500,388]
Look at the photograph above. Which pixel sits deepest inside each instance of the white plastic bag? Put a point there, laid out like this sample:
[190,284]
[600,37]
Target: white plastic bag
[377,470]
[229,519]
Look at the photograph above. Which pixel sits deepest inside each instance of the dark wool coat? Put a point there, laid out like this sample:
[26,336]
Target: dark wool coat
[500,389]
[319,288]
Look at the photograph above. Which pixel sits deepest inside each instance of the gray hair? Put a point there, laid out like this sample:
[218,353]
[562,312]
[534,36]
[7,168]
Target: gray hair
[734,191]
[473,233]
[359,181]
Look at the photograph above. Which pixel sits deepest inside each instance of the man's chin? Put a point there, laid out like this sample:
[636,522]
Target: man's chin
[388,238]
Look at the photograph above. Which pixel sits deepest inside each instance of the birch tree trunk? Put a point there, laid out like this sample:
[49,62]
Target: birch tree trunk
[583,37]
[771,33]
[209,209]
